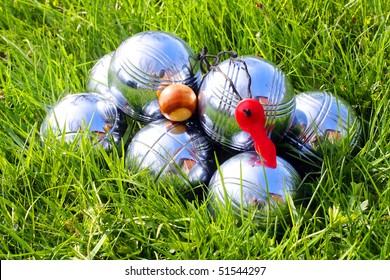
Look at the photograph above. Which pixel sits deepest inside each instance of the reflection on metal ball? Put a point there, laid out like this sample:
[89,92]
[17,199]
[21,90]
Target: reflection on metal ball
[144,65]
[322,122]
[85,112]
[98,76]
[172,151]
[250,187]
[224,86]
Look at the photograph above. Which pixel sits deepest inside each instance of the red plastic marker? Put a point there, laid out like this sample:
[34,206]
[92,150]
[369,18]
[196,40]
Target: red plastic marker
[250,117]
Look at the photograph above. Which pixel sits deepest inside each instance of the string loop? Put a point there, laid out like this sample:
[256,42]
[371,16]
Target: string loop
[205,65]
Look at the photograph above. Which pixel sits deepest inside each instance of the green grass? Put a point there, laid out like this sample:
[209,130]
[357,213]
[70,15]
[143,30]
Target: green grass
[76,202]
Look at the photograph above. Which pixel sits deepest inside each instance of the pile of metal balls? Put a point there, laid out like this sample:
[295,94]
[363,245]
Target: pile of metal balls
[187,104]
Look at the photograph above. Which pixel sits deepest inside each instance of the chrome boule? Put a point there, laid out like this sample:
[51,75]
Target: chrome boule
[322,122]
[98,76]
[225,85]
[85,112]
[172,151]
[143,65]
[246,186]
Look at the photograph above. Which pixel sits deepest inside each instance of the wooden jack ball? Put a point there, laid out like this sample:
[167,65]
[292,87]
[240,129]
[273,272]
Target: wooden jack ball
[177,102]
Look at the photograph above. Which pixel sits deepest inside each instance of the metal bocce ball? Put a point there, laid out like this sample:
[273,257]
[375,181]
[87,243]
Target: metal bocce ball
[144,65]
[172,151]
[98,76]
[85,112]
[234,79]
[322,122]
[246,186]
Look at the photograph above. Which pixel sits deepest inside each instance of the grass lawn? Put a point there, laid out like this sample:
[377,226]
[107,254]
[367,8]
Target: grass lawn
[82,203]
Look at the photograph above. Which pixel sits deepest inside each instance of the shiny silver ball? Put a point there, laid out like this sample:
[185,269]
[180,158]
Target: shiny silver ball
[98,76]
[172,151]
[249,187]
[322,122]
[224,86]
[144,65]
[85,112]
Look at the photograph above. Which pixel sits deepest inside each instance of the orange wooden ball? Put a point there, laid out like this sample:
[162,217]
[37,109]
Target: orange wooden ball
[177,102]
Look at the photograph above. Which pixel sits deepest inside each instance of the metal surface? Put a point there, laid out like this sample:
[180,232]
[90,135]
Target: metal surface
[174,151]
[245,183]
[86,112]
[143,65]
[322,122]
[217,100]
[98,76]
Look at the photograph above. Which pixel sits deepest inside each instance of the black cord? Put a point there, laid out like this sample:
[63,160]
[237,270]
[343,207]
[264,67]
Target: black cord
[203,57]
